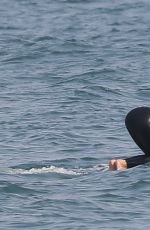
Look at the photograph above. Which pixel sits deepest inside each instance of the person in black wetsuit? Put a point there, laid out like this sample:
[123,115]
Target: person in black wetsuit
[138,124]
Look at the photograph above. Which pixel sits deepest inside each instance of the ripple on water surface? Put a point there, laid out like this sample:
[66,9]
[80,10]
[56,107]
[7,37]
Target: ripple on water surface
[69,73]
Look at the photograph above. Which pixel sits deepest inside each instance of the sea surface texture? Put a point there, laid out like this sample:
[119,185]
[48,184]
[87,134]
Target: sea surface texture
[70,71]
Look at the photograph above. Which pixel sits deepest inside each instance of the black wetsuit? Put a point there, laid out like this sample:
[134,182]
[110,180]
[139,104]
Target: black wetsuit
[138,124]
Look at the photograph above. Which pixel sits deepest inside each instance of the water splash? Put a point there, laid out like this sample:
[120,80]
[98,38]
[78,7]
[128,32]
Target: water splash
[54,169]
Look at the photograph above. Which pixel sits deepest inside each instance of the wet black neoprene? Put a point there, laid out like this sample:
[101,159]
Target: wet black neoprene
[138,124]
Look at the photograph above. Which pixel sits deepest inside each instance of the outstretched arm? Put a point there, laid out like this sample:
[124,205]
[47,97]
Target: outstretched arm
[121,164]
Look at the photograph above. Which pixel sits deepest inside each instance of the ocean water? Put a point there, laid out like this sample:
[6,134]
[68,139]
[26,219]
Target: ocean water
[70,71]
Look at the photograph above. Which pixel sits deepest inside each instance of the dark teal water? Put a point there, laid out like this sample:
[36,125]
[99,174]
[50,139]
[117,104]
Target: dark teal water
[69,73]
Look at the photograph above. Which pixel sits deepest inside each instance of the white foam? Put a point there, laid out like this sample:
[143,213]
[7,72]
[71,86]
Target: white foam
[54,169]
[51,169]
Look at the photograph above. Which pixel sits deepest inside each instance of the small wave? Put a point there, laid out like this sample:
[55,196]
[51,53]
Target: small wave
[144,92]
[43,170]
[54,169]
